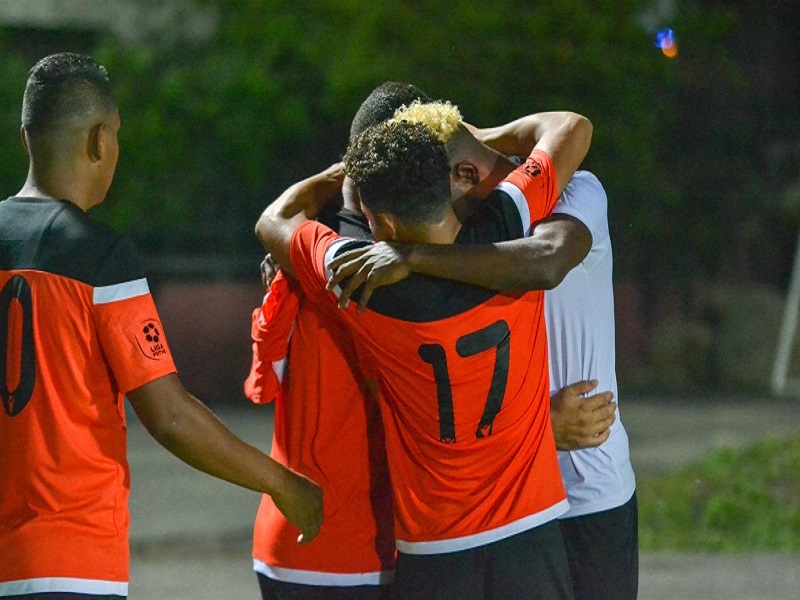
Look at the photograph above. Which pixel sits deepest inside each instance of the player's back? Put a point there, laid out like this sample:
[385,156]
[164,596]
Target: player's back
[463,382]
[63,472]
[328,428]
[463,375]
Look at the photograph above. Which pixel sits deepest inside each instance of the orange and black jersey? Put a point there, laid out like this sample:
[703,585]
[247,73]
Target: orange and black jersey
[327,428]
[78,329]
[463,381]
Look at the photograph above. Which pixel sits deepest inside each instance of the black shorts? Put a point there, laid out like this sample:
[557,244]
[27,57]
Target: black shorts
[65,596]
[603,553]
[530,565]
[272,589]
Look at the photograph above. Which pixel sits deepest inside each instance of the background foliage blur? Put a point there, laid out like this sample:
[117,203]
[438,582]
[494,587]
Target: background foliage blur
[700,154]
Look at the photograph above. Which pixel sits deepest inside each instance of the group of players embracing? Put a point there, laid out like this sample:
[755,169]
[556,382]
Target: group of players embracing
[435,436]
[436,392]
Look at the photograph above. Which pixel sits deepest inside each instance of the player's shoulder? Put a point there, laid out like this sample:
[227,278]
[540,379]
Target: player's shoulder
[496,218]
[100,255]
[585,182]
[59,238]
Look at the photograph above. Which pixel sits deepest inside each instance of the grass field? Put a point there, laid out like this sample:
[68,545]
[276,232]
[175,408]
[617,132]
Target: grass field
[733,501]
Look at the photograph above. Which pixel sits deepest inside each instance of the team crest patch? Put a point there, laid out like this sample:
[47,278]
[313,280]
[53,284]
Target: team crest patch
[150,339]
[532,169]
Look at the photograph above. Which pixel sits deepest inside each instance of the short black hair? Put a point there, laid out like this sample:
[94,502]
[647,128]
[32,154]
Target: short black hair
[381,104]
[401,169]
[62,87]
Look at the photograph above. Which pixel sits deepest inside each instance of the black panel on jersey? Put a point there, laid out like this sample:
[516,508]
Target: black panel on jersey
[422,299]
[57,237]
[347,223]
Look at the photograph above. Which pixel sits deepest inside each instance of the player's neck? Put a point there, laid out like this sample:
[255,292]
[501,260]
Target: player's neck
[441,232]
[51,187]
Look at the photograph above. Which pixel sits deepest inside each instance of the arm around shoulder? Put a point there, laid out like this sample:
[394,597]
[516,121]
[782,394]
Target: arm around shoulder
[300,202]
[565,136]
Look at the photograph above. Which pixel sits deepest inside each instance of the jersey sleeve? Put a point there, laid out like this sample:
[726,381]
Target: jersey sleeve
[585,199]
[272,326]
[129,329]
[533,186]
[312,246]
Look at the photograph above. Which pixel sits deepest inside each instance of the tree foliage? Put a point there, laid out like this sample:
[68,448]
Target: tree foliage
[212,131]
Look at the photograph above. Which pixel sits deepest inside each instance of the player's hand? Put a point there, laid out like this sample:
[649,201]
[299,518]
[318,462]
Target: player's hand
[580,422]
[300,501]
[269,268]
[372,266]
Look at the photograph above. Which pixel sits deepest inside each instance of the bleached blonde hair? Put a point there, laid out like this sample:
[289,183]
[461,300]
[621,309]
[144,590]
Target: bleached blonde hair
[443,118]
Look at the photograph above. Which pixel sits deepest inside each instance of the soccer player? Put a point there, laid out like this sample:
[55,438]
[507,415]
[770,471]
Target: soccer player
[600,528]
[78,329]
[326,426]
[461,371]
[312,359]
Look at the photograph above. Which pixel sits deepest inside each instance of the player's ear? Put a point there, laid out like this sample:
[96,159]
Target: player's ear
[24,137]
[466,173]
[97,142]
[387,227]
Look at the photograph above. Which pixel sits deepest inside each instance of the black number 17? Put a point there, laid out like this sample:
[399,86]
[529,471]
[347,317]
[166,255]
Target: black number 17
[498,336]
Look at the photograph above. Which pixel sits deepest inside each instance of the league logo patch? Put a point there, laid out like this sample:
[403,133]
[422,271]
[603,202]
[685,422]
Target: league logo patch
[151,340]
[532,169]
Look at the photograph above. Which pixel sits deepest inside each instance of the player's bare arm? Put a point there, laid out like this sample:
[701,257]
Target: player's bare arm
[565,136]
[540,262]
[299,203]
[190,431]
[579,421]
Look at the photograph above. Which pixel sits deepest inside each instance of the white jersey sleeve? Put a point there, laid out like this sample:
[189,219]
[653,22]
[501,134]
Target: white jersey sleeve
[581,345]
[585,199]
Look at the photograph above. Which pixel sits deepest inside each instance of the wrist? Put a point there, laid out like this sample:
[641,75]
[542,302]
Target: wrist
[412,257]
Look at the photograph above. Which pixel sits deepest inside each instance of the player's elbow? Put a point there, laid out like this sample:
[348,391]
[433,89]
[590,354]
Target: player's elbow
[262,228]
[583,130]
[545,273]
[551,276]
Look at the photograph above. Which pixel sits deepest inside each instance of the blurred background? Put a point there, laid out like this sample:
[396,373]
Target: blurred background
[225,103]
[696,137]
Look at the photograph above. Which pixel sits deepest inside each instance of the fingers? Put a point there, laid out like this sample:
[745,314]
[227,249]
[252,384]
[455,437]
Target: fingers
[598,401]
[345,261]
[356,279]
[366,294]
[353,268]
[269,269]
[582,387]
[309,534]
[595,440]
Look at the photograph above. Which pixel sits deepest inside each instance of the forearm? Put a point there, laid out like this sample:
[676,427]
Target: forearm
[309,196]
[564,136]
[300,202]
[189,430]
[519,137]
[517,265]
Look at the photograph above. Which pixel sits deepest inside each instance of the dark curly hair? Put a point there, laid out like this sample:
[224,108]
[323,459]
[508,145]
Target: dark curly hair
[62,87]
[381,104]
[401,169]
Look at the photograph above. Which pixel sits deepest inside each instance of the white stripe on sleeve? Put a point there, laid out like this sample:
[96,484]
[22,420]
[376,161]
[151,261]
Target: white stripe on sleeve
[330,254]
[120,291]
[521,202]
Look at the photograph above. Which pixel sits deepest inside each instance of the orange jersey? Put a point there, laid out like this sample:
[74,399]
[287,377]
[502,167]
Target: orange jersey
[78,329]
[463,380]
[329,429]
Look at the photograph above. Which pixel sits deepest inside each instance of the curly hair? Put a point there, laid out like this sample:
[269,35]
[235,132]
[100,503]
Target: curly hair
[443,118]
[382,103]
[63,87]
[401,169]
